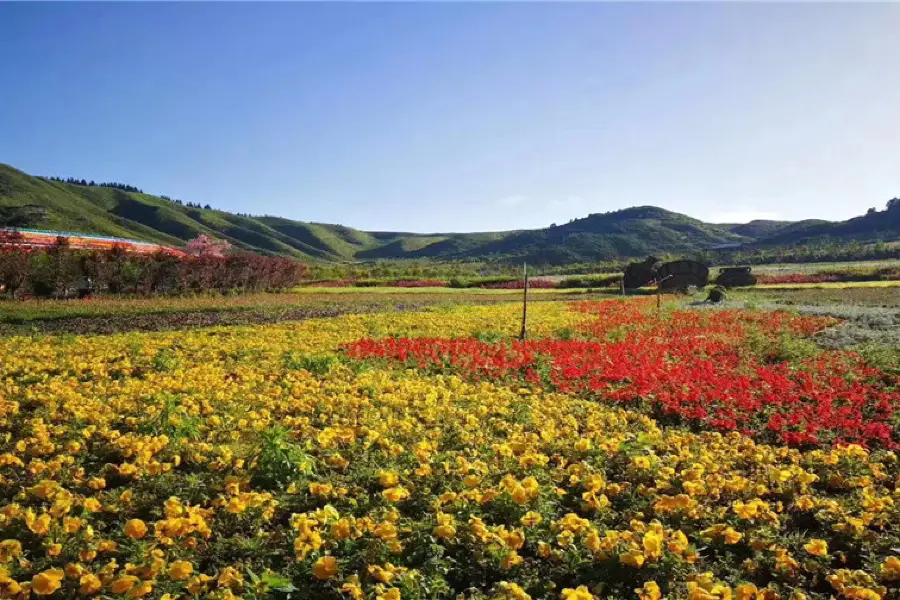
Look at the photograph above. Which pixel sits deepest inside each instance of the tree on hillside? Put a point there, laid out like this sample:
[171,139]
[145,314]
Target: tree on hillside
[205,246]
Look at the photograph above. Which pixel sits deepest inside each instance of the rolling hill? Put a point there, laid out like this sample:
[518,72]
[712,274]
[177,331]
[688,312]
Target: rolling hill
[35,202]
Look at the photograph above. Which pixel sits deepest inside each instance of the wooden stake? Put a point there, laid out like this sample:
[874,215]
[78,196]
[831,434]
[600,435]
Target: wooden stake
[524,331]
[658,297]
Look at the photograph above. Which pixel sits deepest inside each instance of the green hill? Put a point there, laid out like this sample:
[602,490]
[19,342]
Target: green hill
[28,201]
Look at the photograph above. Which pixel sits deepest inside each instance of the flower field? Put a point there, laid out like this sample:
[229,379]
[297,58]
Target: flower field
[424,455]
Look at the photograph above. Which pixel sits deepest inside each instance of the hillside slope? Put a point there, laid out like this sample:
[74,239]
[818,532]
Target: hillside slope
[875,226]
[28,201]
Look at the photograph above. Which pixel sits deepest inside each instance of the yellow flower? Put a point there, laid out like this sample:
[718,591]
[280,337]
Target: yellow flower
[890,568]
[320,489]
[72,524]
[731,536]
[391,594]
[641,462]
[124,584]
[180,570]
[653,543]
[325,568]
[817,547]
[632,559]
[352,588]
[395,494]
[10,549]
[40,525]
[74,570]
[90,584]
[745,591]
[579,593]
[135,529]
[444,531]
[236,505]
[47,582]
[230,577]
[511,559]
[198,584]
[387,478]
[385,530]
[678,542]
[511,591]
[650,591]
[531,519]
[144,588]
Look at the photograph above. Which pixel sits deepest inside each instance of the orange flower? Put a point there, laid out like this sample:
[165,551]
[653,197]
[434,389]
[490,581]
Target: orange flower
[180,570]
[135,529]
[325,568]
[47,582]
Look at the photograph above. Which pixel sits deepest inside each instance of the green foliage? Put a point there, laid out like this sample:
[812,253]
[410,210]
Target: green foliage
[881,356]
[278,460]
[781,348]
[165,360]
[489,336]
[173,420]
[317,365]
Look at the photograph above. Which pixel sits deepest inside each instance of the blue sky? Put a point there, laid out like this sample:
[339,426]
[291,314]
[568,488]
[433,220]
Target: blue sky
[461,117]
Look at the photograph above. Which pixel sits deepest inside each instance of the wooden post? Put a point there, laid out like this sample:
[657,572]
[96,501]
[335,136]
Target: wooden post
[658,297]
[524,331]
[622,281]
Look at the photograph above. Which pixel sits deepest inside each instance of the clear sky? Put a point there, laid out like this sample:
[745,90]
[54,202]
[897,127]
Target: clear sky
[461,117]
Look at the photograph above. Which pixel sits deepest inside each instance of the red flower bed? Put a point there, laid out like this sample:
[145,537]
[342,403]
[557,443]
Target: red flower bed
[791,278]
[417,283]
[694,366]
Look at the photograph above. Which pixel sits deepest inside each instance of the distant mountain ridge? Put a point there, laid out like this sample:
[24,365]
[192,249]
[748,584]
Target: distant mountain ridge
[29,201]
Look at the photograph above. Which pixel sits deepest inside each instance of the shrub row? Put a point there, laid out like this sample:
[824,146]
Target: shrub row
[59,272]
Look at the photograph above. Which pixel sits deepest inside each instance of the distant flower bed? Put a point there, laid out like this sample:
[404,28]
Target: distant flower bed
[423,283]
[332,284]
[799,278]
[418,283]
[832,277]
[537,284]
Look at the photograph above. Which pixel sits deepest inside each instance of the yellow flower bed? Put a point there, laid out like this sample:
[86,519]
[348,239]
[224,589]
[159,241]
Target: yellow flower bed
[248,462]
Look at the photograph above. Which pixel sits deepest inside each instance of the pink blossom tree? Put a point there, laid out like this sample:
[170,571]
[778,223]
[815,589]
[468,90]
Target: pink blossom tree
[205,246]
